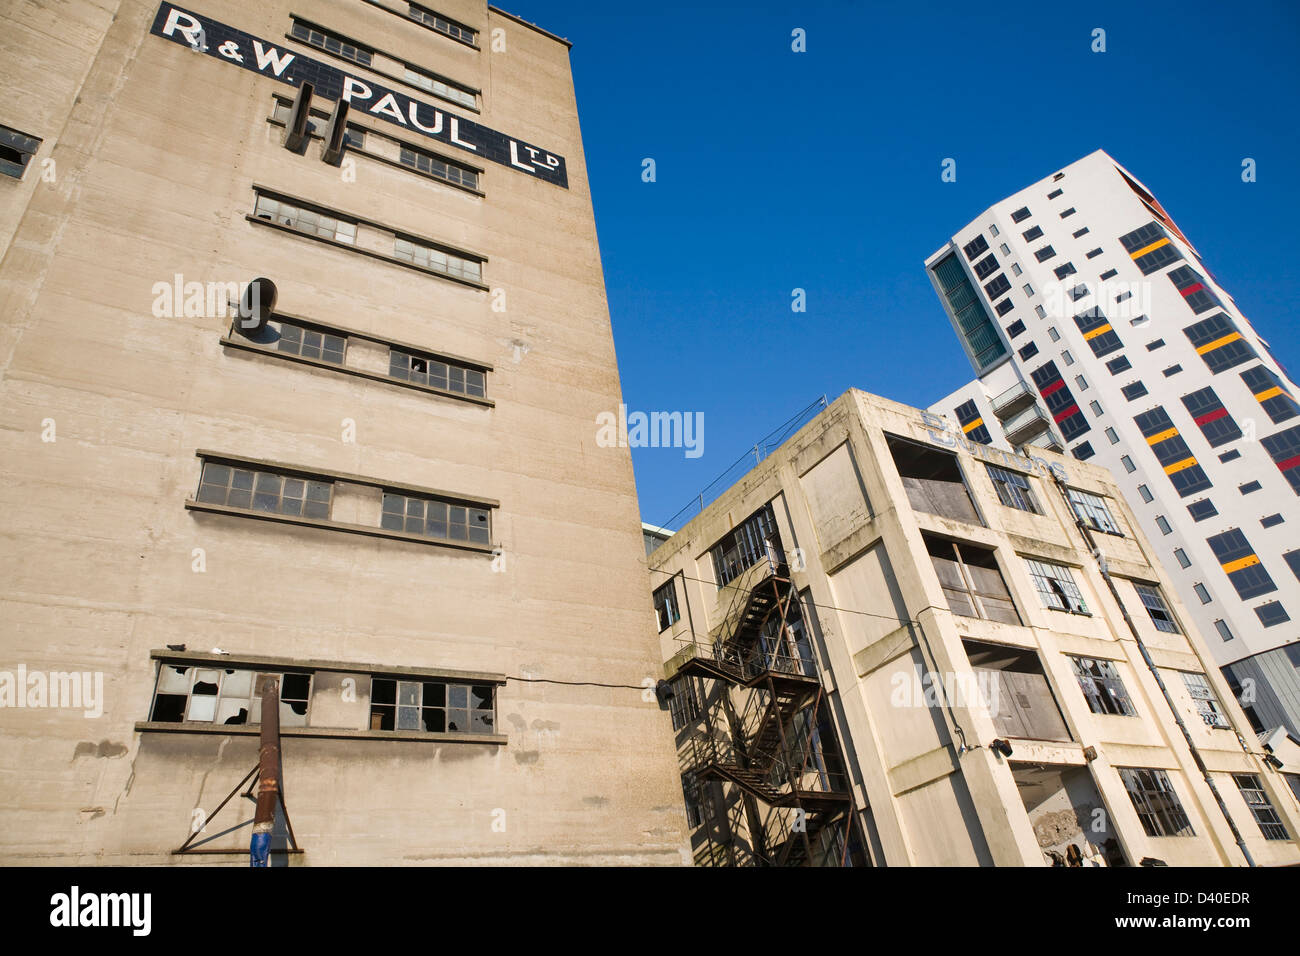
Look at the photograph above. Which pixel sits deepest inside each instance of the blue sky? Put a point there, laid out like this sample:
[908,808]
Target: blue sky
[821,170]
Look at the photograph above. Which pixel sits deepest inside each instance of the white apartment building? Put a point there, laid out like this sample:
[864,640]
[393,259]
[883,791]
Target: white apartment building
[1094,326]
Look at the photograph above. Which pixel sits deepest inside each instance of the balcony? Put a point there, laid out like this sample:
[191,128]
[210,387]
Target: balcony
[1023,428]
[1017,398]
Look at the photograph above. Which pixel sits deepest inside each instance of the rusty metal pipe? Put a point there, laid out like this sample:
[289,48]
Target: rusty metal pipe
[268,788]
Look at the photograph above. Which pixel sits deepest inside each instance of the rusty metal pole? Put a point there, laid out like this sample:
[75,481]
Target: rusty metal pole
[268,789]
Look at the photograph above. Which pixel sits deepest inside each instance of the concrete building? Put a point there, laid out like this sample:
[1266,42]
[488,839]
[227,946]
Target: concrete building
[1094,326]
[888,645]
[390,493]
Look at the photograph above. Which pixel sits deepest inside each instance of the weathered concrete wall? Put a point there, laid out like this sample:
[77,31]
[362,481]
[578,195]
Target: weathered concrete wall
[156,161]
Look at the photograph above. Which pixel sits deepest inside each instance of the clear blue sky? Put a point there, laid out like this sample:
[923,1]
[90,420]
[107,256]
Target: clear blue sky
[821,170]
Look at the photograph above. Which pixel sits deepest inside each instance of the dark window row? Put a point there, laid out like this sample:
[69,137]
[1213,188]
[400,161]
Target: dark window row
[1170,449]
[1150,247]
[1060,402]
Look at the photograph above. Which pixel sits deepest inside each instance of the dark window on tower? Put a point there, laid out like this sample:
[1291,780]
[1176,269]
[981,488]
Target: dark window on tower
[1016,328]
[1060,401]
[1032,233]
[972,423]
[1121,364]
[1029,351]
[1135,390]
[1081,232]
[1270,393]
[1193,289]
[1068,213]
[1150,248]
[1200,510]
[1094,253]
[1218,342]
[1170,449]
[1084,451]
[986,266]
[1108,274]
[1097,332]
[1045,253]
[1054,193]
[1284,449]
[975,247]
[1020,215]
[1211,417]
[1005,306]
[1066,270]
[1241,564]
[998,287]
[1271,614]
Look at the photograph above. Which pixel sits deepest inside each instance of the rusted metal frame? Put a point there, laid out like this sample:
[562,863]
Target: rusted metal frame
[794,781]
[184,847]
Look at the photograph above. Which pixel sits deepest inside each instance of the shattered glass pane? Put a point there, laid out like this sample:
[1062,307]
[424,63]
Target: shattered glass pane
[233,712]
[237,684]
[173,679]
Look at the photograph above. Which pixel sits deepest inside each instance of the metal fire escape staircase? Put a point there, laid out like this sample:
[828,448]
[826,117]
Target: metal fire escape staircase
[797,810]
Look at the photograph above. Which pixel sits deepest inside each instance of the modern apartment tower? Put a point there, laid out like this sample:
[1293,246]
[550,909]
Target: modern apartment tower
[885,645]
[1095,327]
[380,485]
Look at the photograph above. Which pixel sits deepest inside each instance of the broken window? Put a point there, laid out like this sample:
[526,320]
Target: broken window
[1156,803]
[684,705]
[1155,604]
[1099,680]
[1013,489]
[1013,686]
[691,791]
[971,580]
[745,545]
[933,480]
[665,599]
[1252,791]
[431,706]
[436,519]
[1206,702]
[217,695]
[436,373]
[1056,587]
[1092,510]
